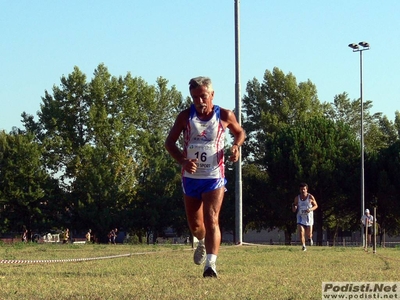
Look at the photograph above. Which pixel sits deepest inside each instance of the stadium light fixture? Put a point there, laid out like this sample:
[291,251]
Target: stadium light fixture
[364,44]
[354,46]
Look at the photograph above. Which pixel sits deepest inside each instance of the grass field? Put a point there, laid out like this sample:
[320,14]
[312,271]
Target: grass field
[168,271]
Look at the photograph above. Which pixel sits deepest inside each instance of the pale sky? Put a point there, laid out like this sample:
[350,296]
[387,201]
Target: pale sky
[178,40]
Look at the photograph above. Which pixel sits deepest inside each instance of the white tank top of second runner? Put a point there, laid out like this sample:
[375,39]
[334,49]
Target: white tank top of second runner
[303,217]
[205,141]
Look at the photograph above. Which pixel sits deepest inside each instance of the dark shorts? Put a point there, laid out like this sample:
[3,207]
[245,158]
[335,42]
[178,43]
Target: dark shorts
[195,187]
[369,229]
[305,226]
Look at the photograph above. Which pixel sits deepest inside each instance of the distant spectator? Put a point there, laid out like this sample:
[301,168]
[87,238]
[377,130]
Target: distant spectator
[88,236]
[25,236]
[66,236]
[112,236]
[34,237]
[367,220]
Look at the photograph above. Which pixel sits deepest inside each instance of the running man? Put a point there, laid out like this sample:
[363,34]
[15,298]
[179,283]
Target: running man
[305,204]
[203,127]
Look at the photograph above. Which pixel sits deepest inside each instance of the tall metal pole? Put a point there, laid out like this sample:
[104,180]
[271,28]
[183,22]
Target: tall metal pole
[356,48]
[238,110]
[362,142]
[374,231]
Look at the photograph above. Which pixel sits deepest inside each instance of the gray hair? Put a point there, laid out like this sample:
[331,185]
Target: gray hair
[200,81]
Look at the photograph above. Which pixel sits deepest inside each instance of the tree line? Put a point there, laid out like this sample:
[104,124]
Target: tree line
[94,157]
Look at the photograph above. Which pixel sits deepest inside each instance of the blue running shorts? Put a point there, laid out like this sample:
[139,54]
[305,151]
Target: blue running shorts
[195,187]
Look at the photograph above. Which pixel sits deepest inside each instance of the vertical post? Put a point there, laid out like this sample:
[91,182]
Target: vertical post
[366,234]
[374,228]
[384,238]
[238,111]
[362,140]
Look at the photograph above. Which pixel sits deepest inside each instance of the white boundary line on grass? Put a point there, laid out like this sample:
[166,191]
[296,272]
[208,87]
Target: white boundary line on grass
[46,261]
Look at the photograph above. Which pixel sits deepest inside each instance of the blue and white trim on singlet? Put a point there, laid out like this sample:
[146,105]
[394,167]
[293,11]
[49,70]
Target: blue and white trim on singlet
[205,141]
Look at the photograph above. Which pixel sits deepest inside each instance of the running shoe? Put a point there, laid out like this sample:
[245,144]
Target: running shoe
[304,248]
[210,271]
[200,254]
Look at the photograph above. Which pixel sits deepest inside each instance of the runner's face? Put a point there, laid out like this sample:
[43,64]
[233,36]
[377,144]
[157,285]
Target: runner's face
[202,99]
[303,190]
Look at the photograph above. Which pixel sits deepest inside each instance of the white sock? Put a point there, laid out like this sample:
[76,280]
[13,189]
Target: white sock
[201,242]
[211,258]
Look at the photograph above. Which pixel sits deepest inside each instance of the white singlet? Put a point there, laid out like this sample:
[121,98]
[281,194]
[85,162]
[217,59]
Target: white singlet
[303,217]
[205,141]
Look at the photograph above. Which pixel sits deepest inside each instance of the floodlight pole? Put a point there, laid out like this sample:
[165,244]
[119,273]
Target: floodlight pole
[356,48]
[238,111]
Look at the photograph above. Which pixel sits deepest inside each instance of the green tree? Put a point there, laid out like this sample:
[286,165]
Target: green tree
[397,122]
[22,180]
[104,141]
[383,181]
[379,132]
[277,102]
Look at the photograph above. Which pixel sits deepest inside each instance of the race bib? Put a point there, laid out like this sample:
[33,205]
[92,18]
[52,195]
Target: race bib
[205,154]
[303,211]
